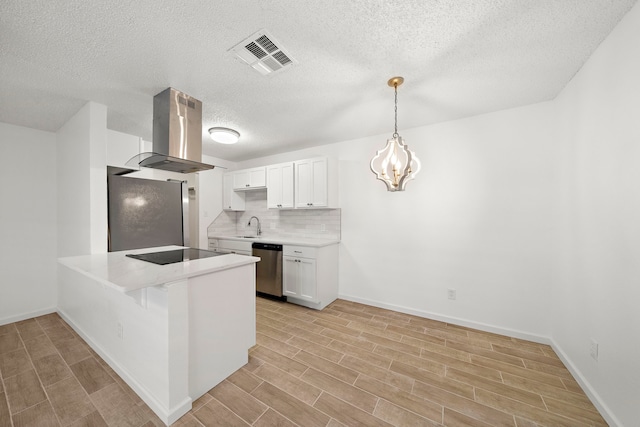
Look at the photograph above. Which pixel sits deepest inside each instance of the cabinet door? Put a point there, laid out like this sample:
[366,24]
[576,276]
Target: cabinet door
[274,187]
[231,201]
[241,179]
[299,278]
[280,186]
[290,276]
[319,182]
[287,186]
[257,177]
[311,183]
[304,175]
[249,178]
[307,279]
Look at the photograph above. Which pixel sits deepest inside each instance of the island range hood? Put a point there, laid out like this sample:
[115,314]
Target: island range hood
[177,135]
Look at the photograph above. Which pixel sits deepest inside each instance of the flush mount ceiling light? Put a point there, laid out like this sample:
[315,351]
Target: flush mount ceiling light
[395,164]
[224,135]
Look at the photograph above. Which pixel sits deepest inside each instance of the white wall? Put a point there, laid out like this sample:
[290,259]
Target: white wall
[596,291]
[209,192]
[82,185]
[476,219]
[28,227]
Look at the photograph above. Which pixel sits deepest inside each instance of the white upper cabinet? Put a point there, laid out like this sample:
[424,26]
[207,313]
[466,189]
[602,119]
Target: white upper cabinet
[316,183]
[231,200]
[280,186]
[250,179]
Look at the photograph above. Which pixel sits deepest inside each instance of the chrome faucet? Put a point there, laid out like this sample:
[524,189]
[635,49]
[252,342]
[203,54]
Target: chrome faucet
[259,230]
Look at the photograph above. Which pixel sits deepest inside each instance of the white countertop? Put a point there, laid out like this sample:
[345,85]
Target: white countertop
[126,274]
[299,241]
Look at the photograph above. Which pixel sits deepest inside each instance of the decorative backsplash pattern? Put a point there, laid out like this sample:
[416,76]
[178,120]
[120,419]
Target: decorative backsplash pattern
[305,223]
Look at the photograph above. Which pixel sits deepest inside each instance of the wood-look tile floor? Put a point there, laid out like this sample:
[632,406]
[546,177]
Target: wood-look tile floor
[350,364]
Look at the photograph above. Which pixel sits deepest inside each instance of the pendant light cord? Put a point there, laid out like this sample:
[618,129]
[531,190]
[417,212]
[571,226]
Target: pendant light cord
[395,88]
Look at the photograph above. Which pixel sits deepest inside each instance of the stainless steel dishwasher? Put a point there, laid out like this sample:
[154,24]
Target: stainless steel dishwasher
[269,269]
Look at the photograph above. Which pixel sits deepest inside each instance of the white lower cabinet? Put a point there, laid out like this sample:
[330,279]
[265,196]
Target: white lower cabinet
[310,275]
[234,247]
[299,278]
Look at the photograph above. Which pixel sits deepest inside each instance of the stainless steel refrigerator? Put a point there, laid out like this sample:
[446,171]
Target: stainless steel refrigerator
[146,213]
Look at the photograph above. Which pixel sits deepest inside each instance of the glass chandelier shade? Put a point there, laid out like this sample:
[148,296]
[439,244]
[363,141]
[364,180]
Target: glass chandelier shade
[395,164]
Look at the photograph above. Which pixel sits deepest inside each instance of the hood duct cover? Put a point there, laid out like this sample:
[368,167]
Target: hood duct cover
[177,135]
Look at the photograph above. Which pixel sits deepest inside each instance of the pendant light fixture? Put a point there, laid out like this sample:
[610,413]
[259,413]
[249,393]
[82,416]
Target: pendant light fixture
[395,164]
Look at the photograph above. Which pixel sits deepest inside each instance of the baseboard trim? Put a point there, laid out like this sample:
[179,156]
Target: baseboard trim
[453,320]
[595,398]
[25,316]
[167,415]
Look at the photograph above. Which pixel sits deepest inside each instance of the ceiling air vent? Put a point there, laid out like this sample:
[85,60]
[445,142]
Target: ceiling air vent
[263,53]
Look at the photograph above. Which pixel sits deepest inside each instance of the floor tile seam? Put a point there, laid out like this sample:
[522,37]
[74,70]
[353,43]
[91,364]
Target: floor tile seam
[510,413]
[315,368]
[311,342]
[462,351]
[278,339]
[12,416]
[476,387]
[289,394]
[279,413]
[193,413]
[541,373]
[236,414]
[519,412]
[545,384]
[350,404]
[501,382]
[415,413]
[540,354]
[87,395]
[566,374]
[593,411]
[41,386]
[543,393]
[410,337]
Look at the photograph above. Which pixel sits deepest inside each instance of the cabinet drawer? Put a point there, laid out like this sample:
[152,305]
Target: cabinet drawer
[299,251]
[234,245]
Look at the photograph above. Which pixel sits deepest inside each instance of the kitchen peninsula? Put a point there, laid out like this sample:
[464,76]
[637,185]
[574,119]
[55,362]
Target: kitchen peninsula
[172,332]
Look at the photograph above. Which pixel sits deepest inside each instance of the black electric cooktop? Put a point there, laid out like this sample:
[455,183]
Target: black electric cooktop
[177,255]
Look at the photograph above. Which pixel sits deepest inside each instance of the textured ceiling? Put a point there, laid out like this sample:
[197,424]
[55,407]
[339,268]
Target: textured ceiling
[458,57]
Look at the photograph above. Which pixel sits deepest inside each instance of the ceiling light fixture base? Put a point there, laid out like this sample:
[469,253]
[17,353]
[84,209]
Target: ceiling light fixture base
[395,81]
[224,135]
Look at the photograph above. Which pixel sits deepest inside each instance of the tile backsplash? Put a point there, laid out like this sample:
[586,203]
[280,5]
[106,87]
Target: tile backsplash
[305,223]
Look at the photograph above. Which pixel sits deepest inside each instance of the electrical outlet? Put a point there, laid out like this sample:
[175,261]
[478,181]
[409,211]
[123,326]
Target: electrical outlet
[323,227]
[272,226]
[451,293]
[593,349]
[119,330]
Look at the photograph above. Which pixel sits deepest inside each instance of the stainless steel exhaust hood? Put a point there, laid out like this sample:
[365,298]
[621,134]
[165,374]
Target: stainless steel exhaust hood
[177,135]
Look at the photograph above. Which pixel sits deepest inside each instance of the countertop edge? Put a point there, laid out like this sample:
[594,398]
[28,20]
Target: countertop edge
[79,264]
